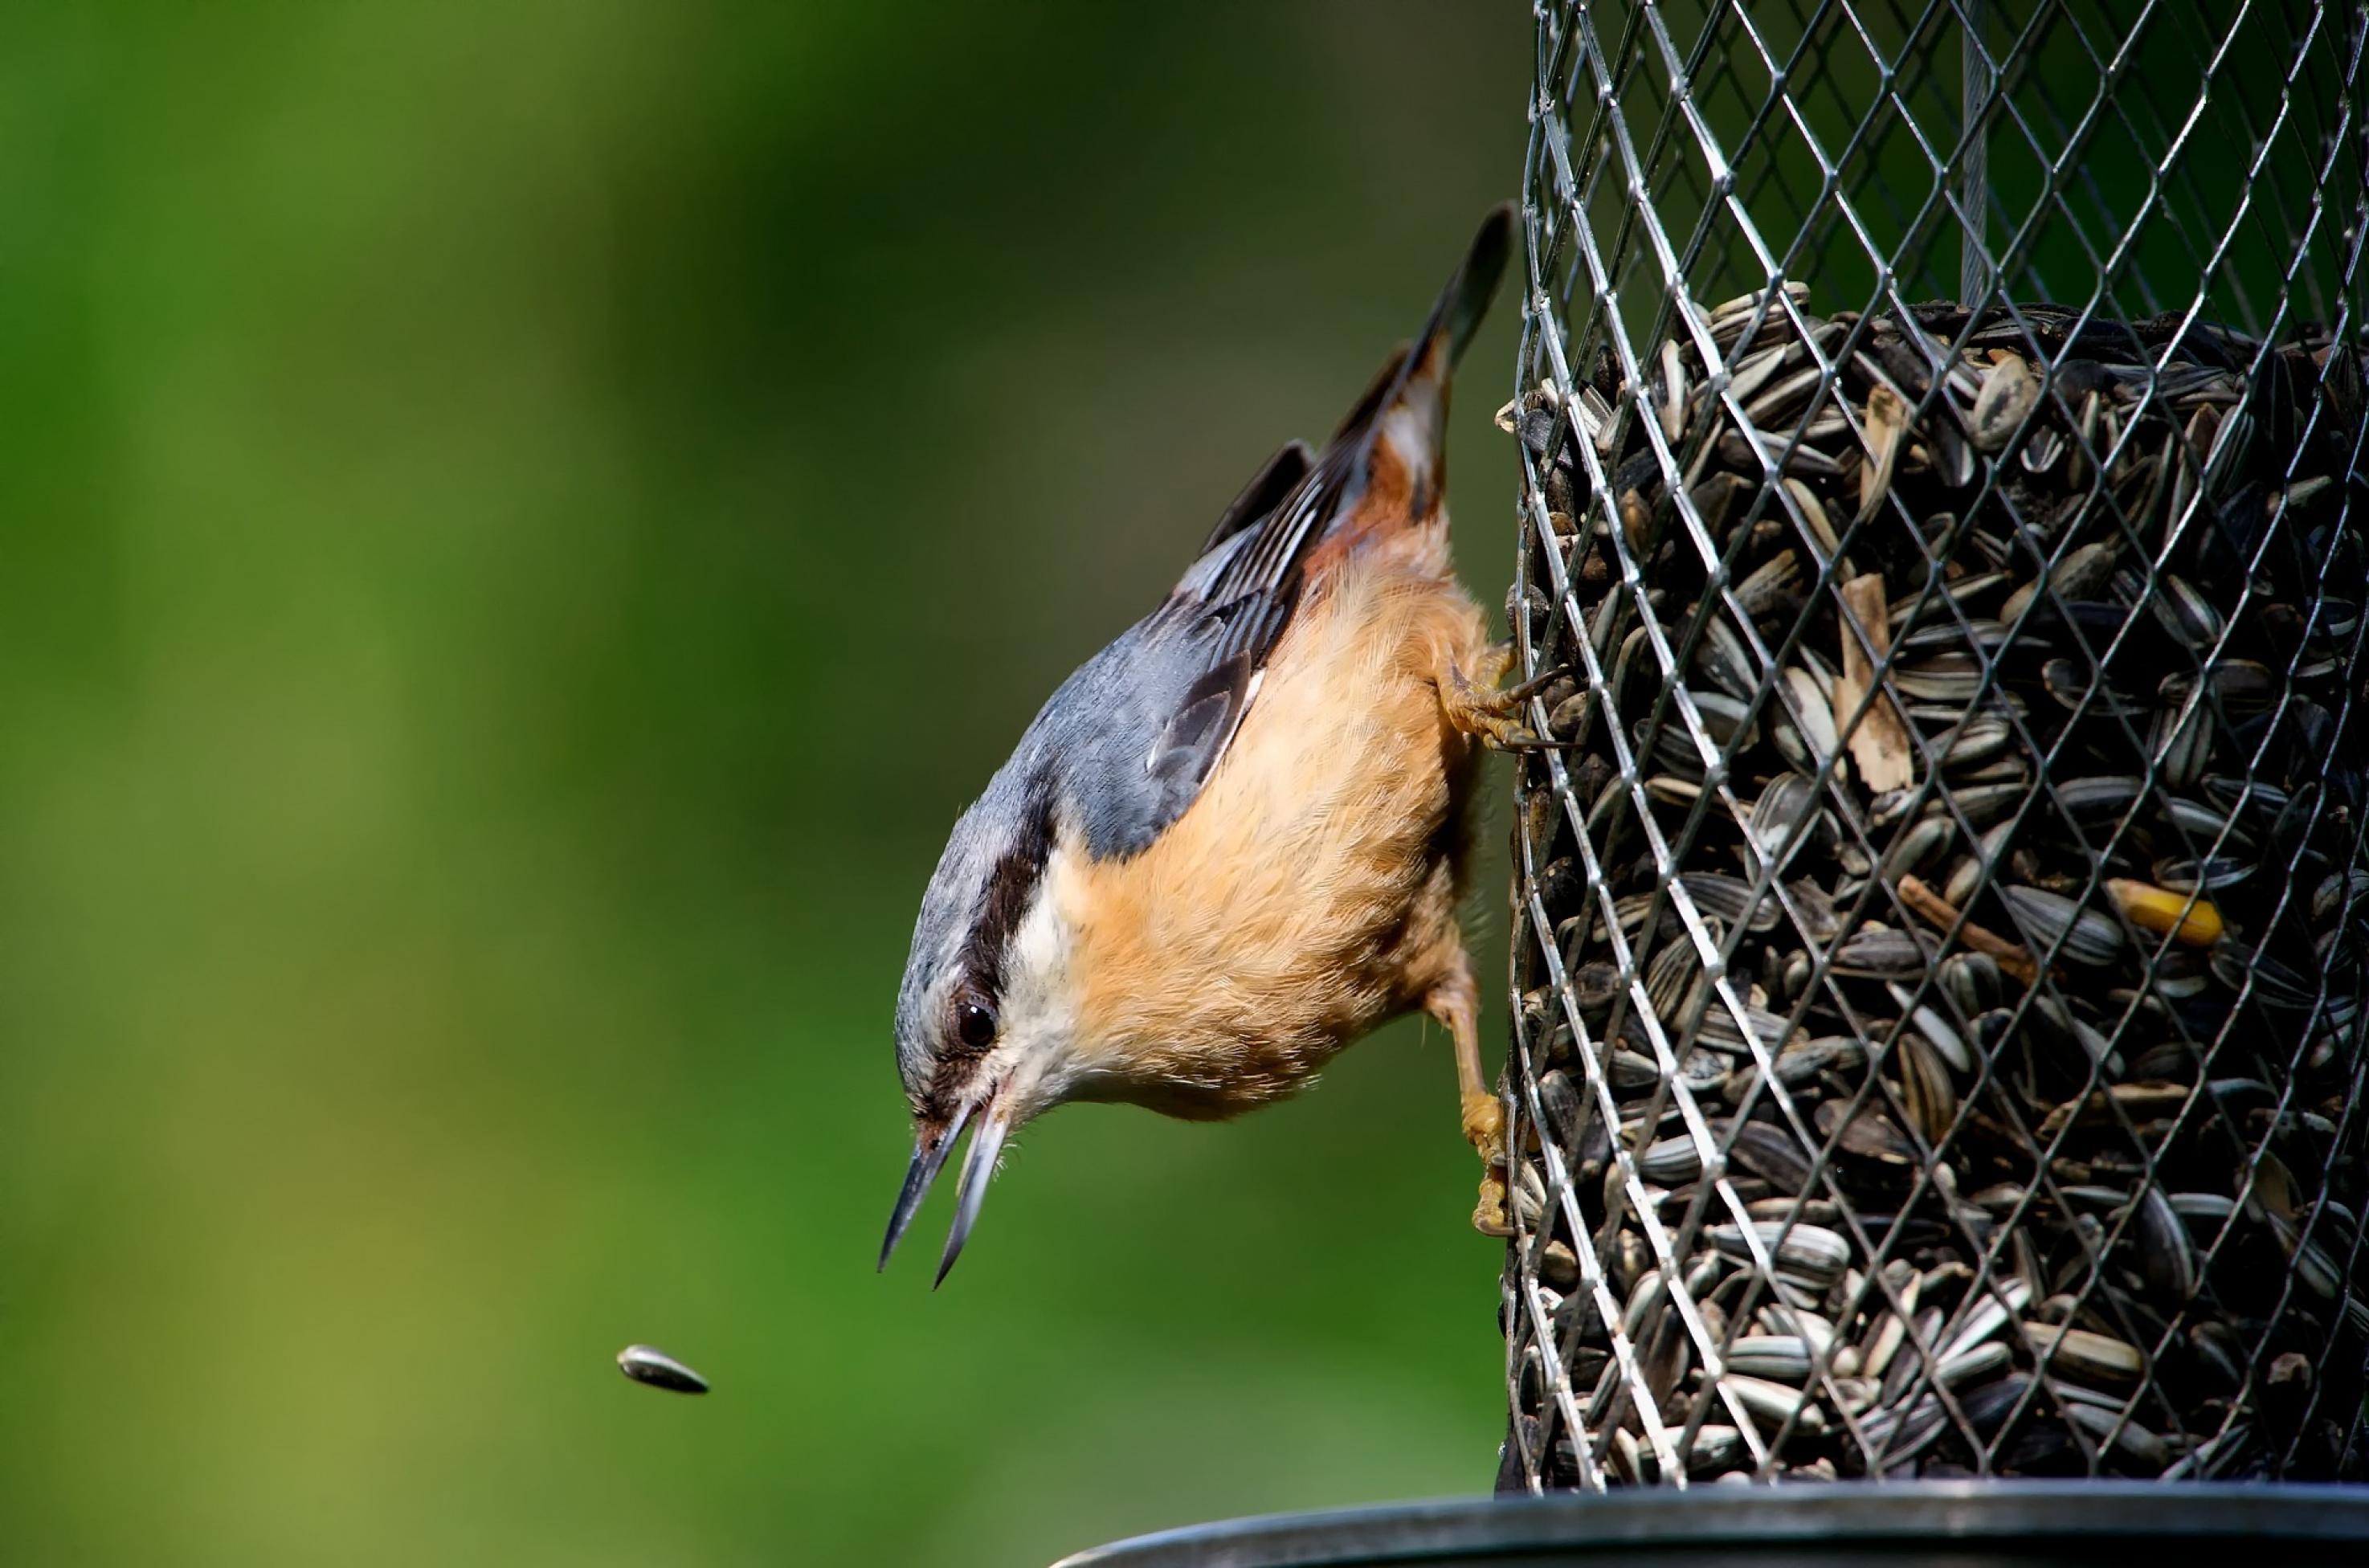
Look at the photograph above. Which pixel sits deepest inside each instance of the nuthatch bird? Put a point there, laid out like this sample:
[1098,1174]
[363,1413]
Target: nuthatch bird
[1235,839]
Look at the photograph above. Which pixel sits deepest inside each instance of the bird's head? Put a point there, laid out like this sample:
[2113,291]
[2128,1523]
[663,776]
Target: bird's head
[985,1035]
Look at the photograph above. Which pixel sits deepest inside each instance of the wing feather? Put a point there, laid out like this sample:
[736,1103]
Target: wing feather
[1188,673]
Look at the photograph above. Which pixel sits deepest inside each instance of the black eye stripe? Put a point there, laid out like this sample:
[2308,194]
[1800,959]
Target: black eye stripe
[1010,886]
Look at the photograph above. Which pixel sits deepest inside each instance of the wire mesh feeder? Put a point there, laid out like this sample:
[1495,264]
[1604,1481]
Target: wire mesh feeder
[1939,913]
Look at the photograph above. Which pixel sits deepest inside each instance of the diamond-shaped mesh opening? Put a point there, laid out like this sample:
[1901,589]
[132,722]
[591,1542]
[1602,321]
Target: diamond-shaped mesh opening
[1941,890]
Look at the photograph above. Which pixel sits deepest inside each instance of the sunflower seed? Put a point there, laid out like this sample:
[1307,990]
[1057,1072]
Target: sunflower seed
[1958,1004]
[646,1364]
[2007,397]
[1772,1152]
[1879,953]
[2048,918]
[1931,1098]
[1784,1358]
[2081,1357]
[2167,1255]
[1776,580]
[1776,1404]
[1811,1252]
[1988,1312]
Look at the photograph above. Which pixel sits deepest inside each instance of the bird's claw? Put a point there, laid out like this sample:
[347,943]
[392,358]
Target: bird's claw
[1489,1215]
[1492,716]
[1484,1127]
[1484,1130]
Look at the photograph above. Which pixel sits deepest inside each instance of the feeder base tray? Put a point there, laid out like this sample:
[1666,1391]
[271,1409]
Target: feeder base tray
[1961,1524]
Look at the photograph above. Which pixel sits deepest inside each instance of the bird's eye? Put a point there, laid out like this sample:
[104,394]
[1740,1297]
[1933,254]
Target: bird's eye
[975,1023]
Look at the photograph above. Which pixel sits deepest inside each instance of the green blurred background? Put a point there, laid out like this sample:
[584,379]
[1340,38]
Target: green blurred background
[523,525]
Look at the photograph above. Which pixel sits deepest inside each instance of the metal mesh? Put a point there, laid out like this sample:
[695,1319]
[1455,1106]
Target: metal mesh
[1941,892]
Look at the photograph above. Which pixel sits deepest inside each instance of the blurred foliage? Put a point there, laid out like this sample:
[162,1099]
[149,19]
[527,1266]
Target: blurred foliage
[523,525]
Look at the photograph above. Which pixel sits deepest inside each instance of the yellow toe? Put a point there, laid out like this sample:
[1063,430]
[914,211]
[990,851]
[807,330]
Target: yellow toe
[1484,1127]
[1489,1216]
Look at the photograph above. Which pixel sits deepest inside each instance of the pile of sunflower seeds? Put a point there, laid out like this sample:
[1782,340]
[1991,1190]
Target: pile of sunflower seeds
[1941,903]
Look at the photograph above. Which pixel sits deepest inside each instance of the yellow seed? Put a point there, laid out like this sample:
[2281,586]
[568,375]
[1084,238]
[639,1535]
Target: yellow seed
[2161,909]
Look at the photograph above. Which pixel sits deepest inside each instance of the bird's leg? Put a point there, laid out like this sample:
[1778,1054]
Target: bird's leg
[1455,1000]
[1475,704]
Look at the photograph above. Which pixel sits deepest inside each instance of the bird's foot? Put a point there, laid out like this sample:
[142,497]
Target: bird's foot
[1492,713]
[1490,1215]
[1484,1129]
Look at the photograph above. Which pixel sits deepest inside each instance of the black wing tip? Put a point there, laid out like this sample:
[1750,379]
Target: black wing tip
[1265,491]
[1466,299]
[1455,316]
[1431,360]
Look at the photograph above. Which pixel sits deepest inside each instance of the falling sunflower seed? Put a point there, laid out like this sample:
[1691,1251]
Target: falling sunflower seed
[646,1364]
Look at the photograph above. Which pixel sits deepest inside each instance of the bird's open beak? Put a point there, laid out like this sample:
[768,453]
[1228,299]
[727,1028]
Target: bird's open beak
[978,1168]
[929,1153]
[929,1157]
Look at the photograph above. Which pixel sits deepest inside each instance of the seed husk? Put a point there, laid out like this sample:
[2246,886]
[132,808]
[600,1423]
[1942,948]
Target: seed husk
[1785,803]
[1884,1342]
[1779,401]
[1754,370]
[1674,393]
[1566,1111]
[1947,681]
[2181,737]
[1817,723]
[1878,739]
[1887,424]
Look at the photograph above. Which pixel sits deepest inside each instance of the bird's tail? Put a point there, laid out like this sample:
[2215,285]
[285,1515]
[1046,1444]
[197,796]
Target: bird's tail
[1399,429]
